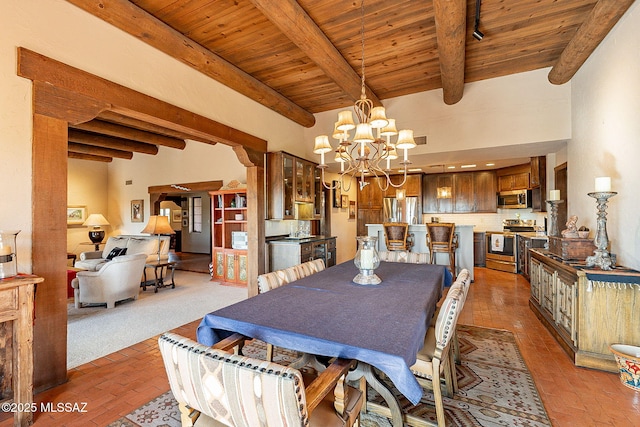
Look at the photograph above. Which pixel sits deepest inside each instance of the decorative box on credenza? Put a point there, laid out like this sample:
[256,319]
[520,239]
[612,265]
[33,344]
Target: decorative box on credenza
[571,249]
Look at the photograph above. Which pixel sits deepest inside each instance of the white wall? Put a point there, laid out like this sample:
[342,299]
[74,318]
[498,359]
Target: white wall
[518,109]
[606,136]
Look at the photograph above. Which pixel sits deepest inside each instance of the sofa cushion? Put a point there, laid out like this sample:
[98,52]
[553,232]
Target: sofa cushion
[114,242]
[142,246]
[116,252]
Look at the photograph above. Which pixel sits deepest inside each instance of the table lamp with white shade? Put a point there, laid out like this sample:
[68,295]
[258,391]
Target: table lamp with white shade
[96,234]
[158,225]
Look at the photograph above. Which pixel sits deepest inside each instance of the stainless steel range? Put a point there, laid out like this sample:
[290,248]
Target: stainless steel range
[502,250]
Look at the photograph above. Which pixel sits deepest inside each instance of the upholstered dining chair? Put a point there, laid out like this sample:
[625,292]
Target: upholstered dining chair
[216,388]
[396,236]
[404,256]
[441,238]
[435,358]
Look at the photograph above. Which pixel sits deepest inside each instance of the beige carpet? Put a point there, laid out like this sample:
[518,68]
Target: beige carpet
[96,331]
[496,388]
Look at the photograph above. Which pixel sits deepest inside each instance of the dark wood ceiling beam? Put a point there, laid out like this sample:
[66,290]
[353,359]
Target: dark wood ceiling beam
[99,151]
[112,129]
[593,30]
[451,29]
[111,142]
[48,72]
[90,157]
[298,26]
[133,20]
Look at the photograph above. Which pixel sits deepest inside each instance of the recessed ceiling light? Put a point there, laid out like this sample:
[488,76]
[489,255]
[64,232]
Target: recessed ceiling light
[467,166]
[414,170]
[451,167]
[490,164]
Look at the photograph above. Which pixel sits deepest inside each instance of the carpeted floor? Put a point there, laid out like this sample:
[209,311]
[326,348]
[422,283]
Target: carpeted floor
[496,388]
[151,314]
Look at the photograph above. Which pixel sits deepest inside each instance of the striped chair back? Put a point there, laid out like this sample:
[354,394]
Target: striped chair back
[308,268]
[404,256]
[268,281]
[234,390]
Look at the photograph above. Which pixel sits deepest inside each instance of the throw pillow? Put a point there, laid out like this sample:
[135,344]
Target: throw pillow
[116,252]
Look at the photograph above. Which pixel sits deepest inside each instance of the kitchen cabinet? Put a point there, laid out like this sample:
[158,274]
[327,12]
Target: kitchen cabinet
[289,252]
[431,203]
[524,243]
[479,252]
[514,177]
[585,310]
[290,180]
[371,195]
[484,190]
[412,186]
[228,215]
[463,194]
[470,192]
[539,183]
[368,216]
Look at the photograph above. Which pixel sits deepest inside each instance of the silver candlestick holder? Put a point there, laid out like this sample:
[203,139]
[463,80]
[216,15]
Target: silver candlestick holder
[601,257]
[553,217]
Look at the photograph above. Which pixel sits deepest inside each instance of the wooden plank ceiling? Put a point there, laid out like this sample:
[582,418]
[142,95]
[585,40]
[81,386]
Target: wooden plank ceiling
[303,57]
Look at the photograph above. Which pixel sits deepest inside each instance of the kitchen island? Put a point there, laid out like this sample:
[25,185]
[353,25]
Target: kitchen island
[464,255]
[289,251]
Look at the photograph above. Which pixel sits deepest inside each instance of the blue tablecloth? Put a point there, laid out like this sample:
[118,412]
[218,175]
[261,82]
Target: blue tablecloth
[327,314]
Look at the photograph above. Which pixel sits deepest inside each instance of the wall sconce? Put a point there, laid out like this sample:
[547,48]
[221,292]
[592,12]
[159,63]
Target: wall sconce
[444,193]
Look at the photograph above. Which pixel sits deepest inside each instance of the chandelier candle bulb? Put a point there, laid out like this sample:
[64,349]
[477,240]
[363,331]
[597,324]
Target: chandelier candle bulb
[554,195]
[603,184]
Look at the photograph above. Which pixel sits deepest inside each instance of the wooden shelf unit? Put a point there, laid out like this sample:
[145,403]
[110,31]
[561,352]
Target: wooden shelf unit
[229,264]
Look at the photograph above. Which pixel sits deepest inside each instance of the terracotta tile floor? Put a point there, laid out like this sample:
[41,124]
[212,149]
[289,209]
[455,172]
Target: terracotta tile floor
[115,385]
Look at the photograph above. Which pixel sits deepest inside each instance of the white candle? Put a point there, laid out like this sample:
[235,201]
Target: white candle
[5,250]
[603,183]
[554,195]
[366,259]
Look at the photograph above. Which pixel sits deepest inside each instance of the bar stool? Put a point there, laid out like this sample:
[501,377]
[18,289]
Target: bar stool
[396,236]
[441,238]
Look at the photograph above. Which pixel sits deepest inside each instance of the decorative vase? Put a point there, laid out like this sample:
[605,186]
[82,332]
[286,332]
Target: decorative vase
[367,260]
[8,261]
[628,360]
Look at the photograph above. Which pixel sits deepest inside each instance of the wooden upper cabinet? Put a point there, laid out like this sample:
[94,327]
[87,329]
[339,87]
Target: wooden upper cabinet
[289,180]
[370,197]
[485,189]
[470,192]
[463,192]
[514,177]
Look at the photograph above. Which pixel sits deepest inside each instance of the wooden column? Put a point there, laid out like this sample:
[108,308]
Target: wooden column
[16,305]
[49,249]
[255,227]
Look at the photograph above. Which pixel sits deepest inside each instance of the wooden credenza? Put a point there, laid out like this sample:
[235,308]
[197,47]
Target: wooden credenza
[585,310]
[16,317]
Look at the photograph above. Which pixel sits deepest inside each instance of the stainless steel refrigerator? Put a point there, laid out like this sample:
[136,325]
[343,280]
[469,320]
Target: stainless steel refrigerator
[400,210]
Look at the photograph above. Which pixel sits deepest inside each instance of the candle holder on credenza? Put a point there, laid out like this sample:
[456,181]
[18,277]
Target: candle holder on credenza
[367,260]
[601,257]
[553,217]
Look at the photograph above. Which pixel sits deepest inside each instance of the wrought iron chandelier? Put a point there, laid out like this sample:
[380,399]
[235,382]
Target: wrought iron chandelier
[364,154]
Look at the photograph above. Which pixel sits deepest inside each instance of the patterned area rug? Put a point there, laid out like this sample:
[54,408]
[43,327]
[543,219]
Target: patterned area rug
[495,388]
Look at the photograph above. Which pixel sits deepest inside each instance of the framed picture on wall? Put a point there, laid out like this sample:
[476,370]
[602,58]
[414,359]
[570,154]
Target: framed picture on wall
[345,201]
[337,200]
[176,215]
[137,210]
[76,215]
[352,209]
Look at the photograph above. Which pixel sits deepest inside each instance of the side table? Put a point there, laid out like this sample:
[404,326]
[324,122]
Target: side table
[160,270]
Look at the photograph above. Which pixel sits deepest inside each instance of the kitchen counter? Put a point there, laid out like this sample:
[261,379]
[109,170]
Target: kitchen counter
[287,251]
[464,256]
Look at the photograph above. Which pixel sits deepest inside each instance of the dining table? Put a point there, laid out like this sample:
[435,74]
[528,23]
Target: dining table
[381,326]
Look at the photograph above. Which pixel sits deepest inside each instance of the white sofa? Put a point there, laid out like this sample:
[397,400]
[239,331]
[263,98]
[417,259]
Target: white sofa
[147,245]
[117,280]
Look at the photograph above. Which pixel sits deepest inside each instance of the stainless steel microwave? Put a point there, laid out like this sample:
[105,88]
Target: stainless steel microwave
[515,199]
